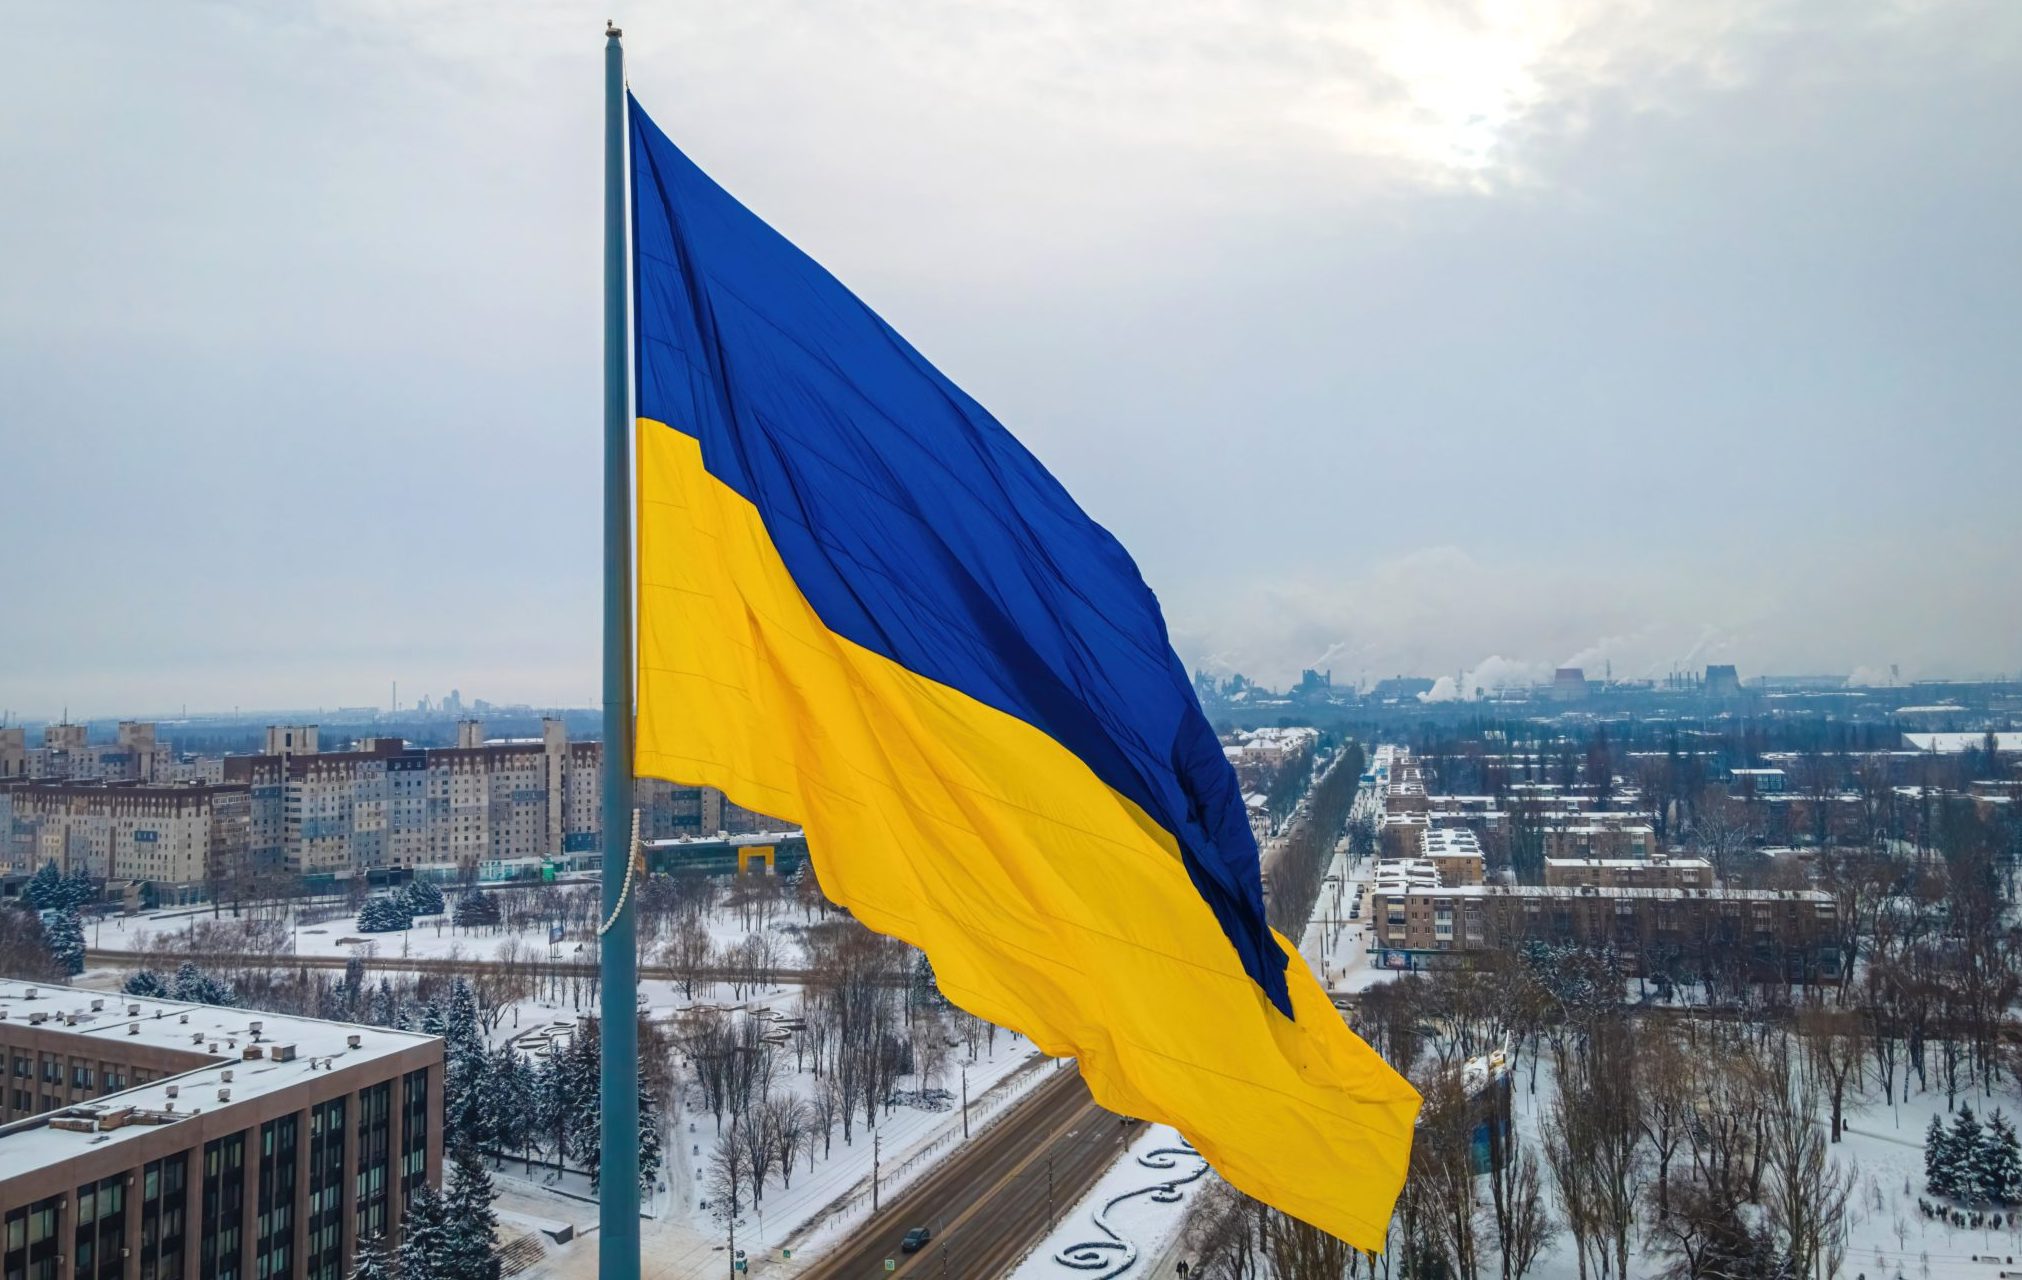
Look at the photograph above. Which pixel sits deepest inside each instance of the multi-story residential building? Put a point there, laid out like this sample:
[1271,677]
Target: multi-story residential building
[13,753]
[1600,840]
[1401,835]
[387,804]
[150,1140]
[178,838]
[1455,851]
[1630,873]
[1768,932]
[67,755]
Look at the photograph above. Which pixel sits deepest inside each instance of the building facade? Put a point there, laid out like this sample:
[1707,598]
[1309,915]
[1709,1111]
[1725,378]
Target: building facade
[150,1140]
[178,838]
[1767,932]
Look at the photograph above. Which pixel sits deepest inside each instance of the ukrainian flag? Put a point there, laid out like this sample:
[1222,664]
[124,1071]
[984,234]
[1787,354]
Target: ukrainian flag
[865,608]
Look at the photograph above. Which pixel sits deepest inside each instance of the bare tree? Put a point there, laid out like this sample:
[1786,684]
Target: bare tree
[1835,1045]
[1808,1192]
[1222,1234]
[790,1122]
[759,1143]
[688,952]
[1298,1250]
[826,1106]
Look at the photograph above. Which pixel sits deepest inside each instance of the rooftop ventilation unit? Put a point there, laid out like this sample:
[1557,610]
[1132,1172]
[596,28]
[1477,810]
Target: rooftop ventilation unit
[97,1005]
[37,1018]
[354,1041]
[225,1075]
[224,1094]
[173,1090]
[132,1008]
[133,1028]
[283,1053]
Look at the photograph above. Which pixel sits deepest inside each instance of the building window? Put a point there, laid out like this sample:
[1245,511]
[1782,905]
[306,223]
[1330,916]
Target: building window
[413,1134]
[163,1188]
[101,1229]
[274,1246]
[218,1246]
[375,1105]
[33,1246]
[326,1191]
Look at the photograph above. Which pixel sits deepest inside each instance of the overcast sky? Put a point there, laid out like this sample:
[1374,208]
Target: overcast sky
[1390,337]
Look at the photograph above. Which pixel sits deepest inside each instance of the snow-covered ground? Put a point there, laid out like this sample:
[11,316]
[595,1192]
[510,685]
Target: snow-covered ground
[1132,1216]
[1887,1237]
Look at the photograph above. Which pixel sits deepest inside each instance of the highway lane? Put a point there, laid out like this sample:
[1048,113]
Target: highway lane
[993,1199]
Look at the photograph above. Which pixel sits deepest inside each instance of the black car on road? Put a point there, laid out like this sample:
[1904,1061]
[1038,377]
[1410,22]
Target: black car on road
[915,1240]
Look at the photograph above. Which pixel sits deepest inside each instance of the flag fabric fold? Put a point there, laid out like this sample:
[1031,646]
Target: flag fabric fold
[864,607]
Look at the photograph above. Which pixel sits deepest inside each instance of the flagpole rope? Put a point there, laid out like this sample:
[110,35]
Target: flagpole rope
[632,859]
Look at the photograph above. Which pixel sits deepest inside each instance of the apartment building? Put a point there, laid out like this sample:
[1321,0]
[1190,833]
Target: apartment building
[1768,932]
[1600,840]
[66,755]
[1456,853]
[151,1140]
[178,838]
[1629,873]
[390,805]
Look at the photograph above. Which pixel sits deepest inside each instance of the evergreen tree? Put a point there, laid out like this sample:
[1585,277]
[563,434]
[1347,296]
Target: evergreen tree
[384,914]
[475,909]
[193,986]
[146,982]
[586,1126]
[1963,1151]
[2000,1163]
[509,1101]
[1937,1159]
[423,898]
[925,989]
[77,891]
[44,889]
[465,1066]
[425,1238]
[384,1008]
[552,1107]
[65,940]
[582,1076]
[373,1262]
[649,1138]
[472,1227]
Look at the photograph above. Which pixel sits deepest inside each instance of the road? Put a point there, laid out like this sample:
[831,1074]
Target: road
[989,1203]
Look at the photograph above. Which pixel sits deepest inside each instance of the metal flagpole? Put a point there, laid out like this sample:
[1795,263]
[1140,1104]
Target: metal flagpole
[618,1210]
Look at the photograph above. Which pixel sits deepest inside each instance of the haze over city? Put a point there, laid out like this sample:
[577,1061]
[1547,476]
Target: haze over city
[1398,340]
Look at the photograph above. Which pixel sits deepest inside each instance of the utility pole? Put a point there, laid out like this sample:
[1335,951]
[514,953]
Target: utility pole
[965,1102]
[1049,1193]
[877,1145]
